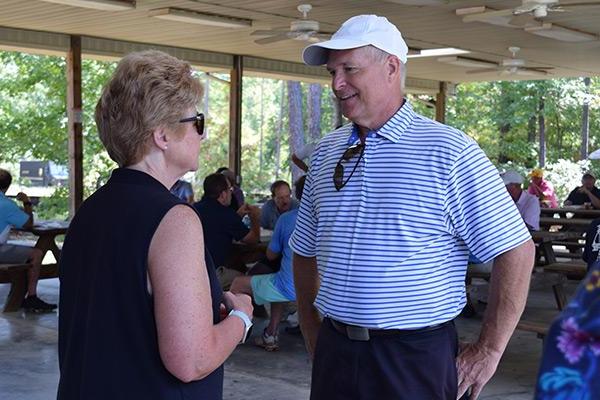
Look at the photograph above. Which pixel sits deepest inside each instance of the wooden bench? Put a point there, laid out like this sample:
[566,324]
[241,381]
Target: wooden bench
[570,244]
[566,254]
[539,328]
[574,270]
[16,275]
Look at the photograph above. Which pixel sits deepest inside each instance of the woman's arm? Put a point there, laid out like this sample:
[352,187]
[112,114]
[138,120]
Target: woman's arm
[190,345]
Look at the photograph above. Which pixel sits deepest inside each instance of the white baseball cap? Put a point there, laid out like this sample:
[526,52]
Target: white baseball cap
[509,177]
[359,31]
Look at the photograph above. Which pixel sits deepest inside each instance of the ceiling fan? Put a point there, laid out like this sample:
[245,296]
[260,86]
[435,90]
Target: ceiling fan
[300,29]
[513,66]
[528,13]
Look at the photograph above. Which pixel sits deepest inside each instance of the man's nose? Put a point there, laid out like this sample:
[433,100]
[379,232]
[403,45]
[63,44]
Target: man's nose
[338,81]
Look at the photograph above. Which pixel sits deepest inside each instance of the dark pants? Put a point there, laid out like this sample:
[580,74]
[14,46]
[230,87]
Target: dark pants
[418,366]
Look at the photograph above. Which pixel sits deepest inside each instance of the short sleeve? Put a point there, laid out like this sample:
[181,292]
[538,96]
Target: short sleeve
[14,215]
[303,240]
[276,244]
[479,208]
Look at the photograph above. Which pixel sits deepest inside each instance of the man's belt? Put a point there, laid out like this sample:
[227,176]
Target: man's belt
[362,334]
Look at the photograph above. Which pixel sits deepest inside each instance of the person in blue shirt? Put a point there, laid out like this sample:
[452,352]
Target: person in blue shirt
[13,216]
[281,201]
[276,288]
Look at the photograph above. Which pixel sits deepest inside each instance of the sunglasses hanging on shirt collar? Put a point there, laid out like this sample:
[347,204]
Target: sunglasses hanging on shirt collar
[338,173]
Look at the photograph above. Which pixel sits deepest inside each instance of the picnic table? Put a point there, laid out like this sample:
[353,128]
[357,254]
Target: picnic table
[16,274]
[243,253]
[545,240]
[578,212]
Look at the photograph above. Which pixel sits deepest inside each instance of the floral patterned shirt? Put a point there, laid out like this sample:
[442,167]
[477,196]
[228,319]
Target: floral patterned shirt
[570,367]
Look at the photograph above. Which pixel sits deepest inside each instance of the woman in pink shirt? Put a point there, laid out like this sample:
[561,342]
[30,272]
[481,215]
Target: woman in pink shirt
[543,189]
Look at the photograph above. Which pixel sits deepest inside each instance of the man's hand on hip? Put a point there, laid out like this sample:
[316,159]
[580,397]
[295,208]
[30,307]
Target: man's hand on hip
[475,366]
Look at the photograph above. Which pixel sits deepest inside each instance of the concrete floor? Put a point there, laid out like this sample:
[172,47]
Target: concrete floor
[29,366]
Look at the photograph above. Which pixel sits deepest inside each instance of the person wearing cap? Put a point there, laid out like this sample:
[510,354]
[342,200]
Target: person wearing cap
[586,193]
[542,189]
[392,205]
[527,204]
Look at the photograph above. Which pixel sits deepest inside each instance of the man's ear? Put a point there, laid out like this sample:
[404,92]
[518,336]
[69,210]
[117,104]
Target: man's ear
[161,138]
[393,66]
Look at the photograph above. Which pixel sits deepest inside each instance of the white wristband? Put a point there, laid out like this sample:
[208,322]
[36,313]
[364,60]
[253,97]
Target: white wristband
[247,322]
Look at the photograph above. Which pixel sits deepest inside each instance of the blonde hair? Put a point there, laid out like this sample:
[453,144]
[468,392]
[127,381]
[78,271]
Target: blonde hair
[148,90]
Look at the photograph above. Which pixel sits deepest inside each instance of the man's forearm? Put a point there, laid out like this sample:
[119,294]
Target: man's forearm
[306,282]
[593,199]
[509,287]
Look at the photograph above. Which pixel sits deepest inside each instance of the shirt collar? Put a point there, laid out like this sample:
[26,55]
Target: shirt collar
[393,128]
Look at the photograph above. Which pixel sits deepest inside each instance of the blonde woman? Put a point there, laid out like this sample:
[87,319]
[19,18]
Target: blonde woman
[139,301]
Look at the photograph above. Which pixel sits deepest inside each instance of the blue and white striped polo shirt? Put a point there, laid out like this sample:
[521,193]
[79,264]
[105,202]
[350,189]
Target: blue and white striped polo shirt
[392,245]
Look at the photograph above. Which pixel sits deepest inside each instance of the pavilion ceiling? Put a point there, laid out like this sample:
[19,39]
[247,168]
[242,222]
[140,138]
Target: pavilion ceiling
[423,27]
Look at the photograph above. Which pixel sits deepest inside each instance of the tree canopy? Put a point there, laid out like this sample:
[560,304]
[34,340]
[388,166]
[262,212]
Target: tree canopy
[506,118]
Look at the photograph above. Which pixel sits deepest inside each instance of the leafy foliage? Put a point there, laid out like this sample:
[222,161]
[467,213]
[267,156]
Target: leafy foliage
[502,117]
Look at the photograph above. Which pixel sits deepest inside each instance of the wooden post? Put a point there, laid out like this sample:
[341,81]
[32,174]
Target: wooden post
[440,103]
[74,114]
[235,116]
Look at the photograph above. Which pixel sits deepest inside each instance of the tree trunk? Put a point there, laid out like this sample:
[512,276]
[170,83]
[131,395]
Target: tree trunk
[296,122]
[504,123]
[531,131]
[338,119]
[314,112]
[206,97]
[585,120]
[262,118]
[542,133]
[279,132]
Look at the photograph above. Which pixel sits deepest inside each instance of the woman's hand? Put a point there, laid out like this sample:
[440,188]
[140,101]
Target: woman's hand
[238,301]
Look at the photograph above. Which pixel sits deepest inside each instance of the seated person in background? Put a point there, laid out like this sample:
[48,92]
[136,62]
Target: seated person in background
[301,158]
[542,189]
[586,193]
[592,243]
[276,288]
[13,216]
[221,224]
[280,202]
[183,190]
[238,199]
[527,204]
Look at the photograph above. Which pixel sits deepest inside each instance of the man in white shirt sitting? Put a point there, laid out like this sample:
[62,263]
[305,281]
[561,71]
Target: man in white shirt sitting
[527,204]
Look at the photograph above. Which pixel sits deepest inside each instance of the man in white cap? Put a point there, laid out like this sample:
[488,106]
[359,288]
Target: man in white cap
[392,205]
[527,204]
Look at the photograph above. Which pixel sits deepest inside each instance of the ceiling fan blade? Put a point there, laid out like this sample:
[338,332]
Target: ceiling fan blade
[418,2]
[579,4]
[269,32]
[272,39]
[530,71]
[482,70]
[482,17]
[522,20]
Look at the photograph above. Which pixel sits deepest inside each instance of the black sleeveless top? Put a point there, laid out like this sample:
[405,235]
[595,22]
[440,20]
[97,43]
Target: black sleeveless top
[108,345]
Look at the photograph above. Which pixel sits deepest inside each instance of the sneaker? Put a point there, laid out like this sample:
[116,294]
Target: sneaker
[35,304]
[268,342]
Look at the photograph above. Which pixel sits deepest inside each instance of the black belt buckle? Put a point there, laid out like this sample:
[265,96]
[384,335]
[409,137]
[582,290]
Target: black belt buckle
[357,333]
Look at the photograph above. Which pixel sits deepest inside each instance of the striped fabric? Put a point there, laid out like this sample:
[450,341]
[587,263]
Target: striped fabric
[392,245]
